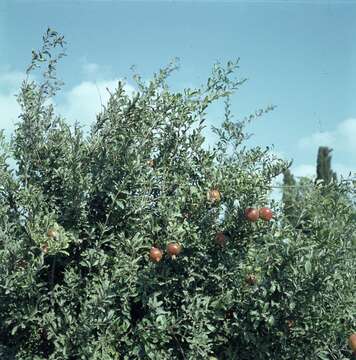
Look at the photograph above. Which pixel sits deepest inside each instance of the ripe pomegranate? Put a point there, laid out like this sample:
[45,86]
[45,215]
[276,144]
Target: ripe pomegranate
[352,342]
[52,233]
[174,249]
[156,254]
[252,214]
[266,213]
[251,279]
[220,238]
[214,195]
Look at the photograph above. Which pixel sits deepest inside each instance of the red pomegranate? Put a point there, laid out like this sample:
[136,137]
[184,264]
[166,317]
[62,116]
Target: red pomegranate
[174,249]
[214,195]
[266,213]
[352,342]
[252,214]
[52,233]
[220,238]
[156,254]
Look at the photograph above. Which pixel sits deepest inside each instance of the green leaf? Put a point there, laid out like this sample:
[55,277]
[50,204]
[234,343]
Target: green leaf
[307,266]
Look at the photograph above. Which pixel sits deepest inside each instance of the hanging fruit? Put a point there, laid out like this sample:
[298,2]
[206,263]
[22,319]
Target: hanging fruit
[220,238]
[155,254]
[352,342]
[252,214]
[266,213]
[213,195]
[52,233]
[174,249]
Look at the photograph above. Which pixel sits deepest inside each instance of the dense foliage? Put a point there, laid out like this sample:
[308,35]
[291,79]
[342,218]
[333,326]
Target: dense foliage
[80,215]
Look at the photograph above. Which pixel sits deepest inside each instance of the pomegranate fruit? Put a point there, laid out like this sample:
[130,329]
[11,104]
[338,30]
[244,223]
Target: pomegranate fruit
[220,238]
[252,214]
[156,254]
[52,233]
[352,342]
[174,249]
[266,213]
[214,195]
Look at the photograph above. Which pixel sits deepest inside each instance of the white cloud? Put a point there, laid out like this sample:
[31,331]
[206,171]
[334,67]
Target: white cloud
[84,101]
[343,170]
[340,139]
[80,103]
[10,111]
[10,82]
[304,170]
[347,131]
[90,68]
[318,139]
[310,170]
[92,71]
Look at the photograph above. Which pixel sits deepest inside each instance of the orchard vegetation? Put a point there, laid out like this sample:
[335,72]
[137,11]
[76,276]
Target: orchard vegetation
[137,242]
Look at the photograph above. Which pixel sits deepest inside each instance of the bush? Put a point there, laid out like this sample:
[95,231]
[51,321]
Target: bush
[142,178]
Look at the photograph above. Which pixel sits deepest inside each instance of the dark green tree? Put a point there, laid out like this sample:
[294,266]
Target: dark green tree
[289,196]
[323,165]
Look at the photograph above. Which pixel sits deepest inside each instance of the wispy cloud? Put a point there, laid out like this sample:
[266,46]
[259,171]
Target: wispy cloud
[309,170]
[10,82]
[90,68]
[80,103]
[304,170]
[92,71]
[342,138]
[84,101]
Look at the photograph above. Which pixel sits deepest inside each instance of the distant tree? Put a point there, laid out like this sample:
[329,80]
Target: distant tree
[289,196]
[323,165]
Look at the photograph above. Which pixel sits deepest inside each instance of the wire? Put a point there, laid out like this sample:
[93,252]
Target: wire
[304,186]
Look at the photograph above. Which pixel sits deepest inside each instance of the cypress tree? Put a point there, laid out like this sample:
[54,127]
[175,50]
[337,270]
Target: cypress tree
[289,195]
[323,165]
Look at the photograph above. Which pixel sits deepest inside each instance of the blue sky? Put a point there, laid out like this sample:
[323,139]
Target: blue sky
[299,56]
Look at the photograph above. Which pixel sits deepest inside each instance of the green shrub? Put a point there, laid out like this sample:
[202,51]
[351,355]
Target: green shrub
[92,293]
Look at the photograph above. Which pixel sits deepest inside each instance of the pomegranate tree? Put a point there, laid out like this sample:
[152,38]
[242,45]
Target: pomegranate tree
[110,224]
